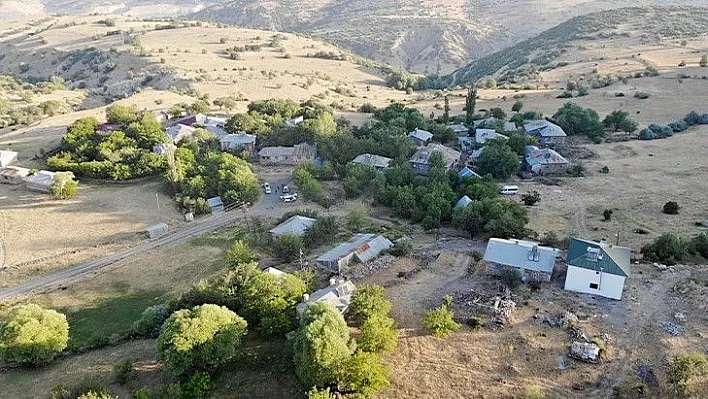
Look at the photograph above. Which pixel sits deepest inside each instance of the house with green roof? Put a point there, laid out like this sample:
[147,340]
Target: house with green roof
[597,268]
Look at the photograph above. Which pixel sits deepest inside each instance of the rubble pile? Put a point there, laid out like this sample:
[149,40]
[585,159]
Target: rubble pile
[672,328]
[371,267]
[563,320]
[587,352]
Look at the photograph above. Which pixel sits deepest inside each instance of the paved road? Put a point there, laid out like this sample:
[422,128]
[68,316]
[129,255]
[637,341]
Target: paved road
[210,223]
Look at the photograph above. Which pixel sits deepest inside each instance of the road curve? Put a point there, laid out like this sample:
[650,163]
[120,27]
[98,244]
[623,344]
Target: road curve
[210,223]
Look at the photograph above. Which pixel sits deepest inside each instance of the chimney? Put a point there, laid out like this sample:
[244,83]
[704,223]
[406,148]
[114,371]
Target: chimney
[305,297]
[332,281]
[593,254]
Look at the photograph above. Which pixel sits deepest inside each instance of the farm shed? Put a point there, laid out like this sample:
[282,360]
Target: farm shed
[338,294]
[157,230]
[597,268]
[362,248]
[216,204]
[295,225]
[534,262]
[13,175]
[7,157]
[41,181]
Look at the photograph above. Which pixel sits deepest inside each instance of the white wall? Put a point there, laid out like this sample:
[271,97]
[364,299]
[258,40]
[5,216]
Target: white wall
[579,280]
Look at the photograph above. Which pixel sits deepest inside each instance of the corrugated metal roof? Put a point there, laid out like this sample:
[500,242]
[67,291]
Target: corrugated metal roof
[215,201]
[365,246]
[463,202]
[510,127]
[376,161]
[612,259]
[296,225]
[518,253]
[371,249]
[420,134]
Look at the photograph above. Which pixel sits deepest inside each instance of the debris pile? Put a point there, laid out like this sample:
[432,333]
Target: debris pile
[672,328]
[587,352]
[563,320]
[371,267]
[500,304]
[647,375]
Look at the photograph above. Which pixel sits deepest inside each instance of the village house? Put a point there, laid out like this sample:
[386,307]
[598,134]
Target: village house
[482,135]
[534,262]
[420,137]
[459,129]
[239,141]
[296,225]
[41,181]
[548,134]
[544,161]
[361,248]
[338,294]
[420,160]
[465,173]
[13,175]
[180,132]
[486,122]
[7,158]
[296,155]
[375,161]
[597,268]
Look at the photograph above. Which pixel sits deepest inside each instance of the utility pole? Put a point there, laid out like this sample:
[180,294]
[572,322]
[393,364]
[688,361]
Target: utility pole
[617,242]
[157,200]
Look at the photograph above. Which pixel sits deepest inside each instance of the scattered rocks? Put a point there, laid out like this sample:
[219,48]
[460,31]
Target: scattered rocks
[672,328]
[365,270]
[680,316]
[584,351]
[562,320]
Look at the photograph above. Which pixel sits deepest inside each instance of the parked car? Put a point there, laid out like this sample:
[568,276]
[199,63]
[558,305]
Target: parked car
[286,190]
[289,197]
[267,188]
[509,190]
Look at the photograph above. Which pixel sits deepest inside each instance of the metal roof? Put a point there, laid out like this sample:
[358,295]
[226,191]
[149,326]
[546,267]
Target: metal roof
[364,246]
[467,172]
[510,127]
[239,139]
[376,161]
[459,128]
[215,201]
[520,254]
[423,154]
[545,156]
[482,135]
[420,134]
[610,259]
[296,225]
[543,128]
[463,202]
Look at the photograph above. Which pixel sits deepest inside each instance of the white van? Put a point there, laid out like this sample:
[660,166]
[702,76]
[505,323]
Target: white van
[509,190]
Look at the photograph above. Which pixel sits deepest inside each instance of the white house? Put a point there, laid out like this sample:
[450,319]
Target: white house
[534,262]
[597,268]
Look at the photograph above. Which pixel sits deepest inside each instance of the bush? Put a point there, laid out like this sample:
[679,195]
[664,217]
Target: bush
[150,322]
[531,198]
[200,339]
[534,392]
[33,336]
[511,277]
[440,321]
[240,253]
[668,249]
[287,247]
[197,386]
[363,374]
[641,95]
[97,395]
[367,301]
[685,367]
[87,386]
[323,231]
[378,334]
[607,214]
[576,170]
[619,121]
[678,126]
[671,208]
[401,248]
[357,218]
[605,170]
[124,371]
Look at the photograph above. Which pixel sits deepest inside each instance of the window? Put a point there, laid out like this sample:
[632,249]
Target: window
[593,286]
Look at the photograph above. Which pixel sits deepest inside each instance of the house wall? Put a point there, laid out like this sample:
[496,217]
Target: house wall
[579,279]
[527,275]
[549,169]
[551,141]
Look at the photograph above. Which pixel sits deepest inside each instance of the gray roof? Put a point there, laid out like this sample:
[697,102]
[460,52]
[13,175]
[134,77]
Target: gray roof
[239,139]
[422,135]
[486,121]
[520,254]
[296,225]
[459,128]
[467,172]
[376,161]
[338,294]
[510,127]
[543,128]
[463,202]
[423,154]
[482,135]
[544,156]
[215,201]
[302,150]
[364,246]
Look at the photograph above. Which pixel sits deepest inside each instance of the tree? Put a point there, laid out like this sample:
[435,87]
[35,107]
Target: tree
[321,232]
[321,346]
[150,322]
[322,126]
[357,218]
[226,102]
[147,132]
[668,249]
[288,246]
[64,186]
[671,208]
[497,113]
[368,300]
[619,120]
[200,339]
[518,142]
[446,111]
[575,120]
[517,106]
[269,301]
[440,321]
[531,198]
[684,367]
[704,61]
[240,253]
[363,374]
[378,334]
[33,336]
[121,115]
[607,214]
[498,160]
[470,102]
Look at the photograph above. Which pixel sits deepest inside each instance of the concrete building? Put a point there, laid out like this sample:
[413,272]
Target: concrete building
[361,248]
[534,262]
[548,134]
[296,155]
[597,268]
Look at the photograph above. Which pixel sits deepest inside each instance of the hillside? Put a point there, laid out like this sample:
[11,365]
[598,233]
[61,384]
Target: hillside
[596,37]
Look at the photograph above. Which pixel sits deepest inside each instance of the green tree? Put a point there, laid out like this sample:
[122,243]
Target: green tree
[321,232]
[321,346]
[440,321]
[498,160]
[269,302]
[147,132]
[367,301]
[363,375]
[322,126]
[575,120]
[497,113]
[324,393]
[33,336]
[122,115]
[470,103]
[619,120]
[531,198]
[287,247]
[64,186]
[518,105]
[378,334]
[668,248]
[704,61]
[684,367]
[200,339]
[446,111]
[150,322]
[240,253]
[518,142]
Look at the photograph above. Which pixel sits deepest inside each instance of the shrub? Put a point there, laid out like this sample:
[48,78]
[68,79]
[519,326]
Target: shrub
[440,321]
[200,339]
[401,248]
[325,393]
[33,336]
[671,208]
[647,134]
[124,371]
[607,214]
[668,249]
[534,392]
[641,95]
[678,126]
[357,218]
[605,170]
[240,253]
[150,322]
[287,247]
[97,395]
[576,170]
[619,120]
[197,386]
[367,301]
[511,277]
[363,374]
[683,368]
[378,334]
[531,198]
